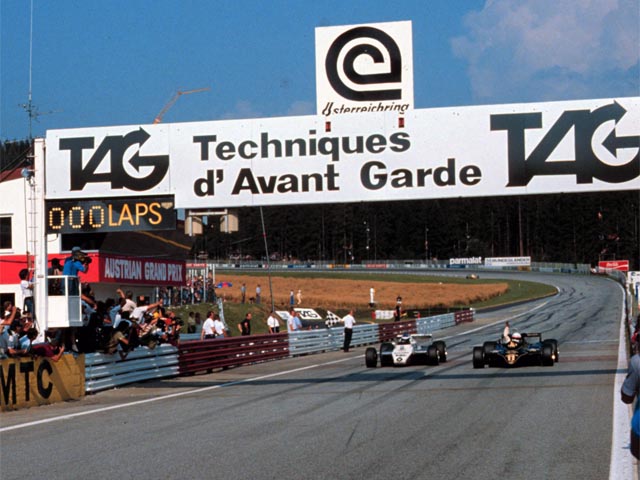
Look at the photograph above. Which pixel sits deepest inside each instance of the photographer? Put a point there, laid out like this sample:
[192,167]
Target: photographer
[78,262]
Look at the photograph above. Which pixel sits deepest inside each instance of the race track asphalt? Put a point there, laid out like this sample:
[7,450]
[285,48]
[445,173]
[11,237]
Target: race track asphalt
[327,416]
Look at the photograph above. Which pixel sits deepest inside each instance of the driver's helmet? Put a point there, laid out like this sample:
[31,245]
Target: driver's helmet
[516,338]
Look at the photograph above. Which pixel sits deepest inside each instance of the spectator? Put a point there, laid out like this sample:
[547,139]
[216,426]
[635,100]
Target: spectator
[119,341]
[299,297]
[27,290]
[139,312]
[349,322]
[55,284]
[629,392]
[208,331]
[243,293]
[372,297]
[5,326]
[129,305]
[291,299]
[293,323]
[273,323]
[397,313]
[47,350]
[258,293]
[245,325]
[191,322]
[218,326]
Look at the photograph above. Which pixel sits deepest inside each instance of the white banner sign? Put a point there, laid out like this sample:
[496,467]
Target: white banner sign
[466,261]
[578,146]
[507,262]
[364,68]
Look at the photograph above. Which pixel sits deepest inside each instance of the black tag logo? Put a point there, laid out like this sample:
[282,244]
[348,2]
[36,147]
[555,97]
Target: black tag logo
[115,147]
[586,165]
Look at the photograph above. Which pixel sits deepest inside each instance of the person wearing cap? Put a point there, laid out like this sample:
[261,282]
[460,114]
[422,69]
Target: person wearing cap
[75,264]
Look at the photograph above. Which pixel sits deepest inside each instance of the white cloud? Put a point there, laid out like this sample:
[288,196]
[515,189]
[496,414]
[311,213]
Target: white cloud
[302,108]
[242,109]
[535,50]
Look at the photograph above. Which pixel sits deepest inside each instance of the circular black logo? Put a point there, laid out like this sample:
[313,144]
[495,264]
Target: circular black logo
[393,75]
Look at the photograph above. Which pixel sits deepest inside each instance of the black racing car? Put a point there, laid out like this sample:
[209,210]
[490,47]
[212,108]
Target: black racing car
[530,349]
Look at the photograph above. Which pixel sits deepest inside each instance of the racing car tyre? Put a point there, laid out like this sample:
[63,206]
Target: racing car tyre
[478,357]
[554,347]
[432,355]
[547,356]
[371,357]
[442,350]
[488,347]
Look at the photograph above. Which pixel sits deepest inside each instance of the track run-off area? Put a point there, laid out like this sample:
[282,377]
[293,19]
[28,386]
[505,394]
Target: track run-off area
[327,416]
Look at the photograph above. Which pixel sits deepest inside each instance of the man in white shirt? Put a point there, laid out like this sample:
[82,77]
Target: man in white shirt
[208,327]
[349,322]
[273,323]
[218,326]
[138,313]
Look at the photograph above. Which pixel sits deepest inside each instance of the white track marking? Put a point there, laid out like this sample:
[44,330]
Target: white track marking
[171,395]
[623,465]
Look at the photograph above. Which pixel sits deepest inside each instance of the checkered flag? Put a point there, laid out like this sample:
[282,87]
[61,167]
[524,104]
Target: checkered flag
[332,319]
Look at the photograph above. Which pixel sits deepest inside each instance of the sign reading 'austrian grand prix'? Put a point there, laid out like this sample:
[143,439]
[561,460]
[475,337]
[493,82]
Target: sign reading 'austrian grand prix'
[519,149]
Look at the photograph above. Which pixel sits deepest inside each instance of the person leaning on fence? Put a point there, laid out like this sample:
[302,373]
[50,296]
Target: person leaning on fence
[208,331]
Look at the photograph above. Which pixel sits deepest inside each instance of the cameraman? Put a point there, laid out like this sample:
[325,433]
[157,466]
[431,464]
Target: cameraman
[78,262]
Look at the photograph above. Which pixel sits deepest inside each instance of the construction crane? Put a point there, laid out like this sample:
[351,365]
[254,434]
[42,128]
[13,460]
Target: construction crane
[175,98]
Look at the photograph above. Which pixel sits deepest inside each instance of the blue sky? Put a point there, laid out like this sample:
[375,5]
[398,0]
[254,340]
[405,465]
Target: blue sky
[118,62]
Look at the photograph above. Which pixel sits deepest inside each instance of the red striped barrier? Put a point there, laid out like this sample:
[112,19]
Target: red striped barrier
[389,331]
[205,355]
[464,316]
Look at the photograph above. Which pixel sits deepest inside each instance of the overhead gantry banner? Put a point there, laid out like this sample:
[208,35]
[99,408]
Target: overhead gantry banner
[517,149]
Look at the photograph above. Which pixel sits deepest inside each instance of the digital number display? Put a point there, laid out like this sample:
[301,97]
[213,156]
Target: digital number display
[111,215]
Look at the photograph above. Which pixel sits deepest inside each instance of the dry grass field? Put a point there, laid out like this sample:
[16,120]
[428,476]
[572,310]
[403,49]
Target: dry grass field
[342,293]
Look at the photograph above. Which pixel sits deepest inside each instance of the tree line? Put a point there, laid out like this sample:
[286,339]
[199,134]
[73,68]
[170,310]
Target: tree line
[567,228]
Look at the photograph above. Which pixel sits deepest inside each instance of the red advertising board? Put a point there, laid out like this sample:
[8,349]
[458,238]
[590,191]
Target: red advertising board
[621,265]
[108,269]
[140,271]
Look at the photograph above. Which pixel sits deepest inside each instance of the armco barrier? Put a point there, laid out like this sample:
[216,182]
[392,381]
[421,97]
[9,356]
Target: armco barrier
[427,325]
[204,355]
[108,371]
[326,339]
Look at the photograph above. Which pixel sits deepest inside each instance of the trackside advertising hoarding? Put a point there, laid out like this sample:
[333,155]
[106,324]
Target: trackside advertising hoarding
[519,149]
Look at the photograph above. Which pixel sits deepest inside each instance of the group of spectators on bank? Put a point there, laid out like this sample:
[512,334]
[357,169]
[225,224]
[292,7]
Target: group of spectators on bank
[18,336]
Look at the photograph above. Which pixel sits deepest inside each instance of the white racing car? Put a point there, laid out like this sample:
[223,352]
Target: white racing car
[407,350]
